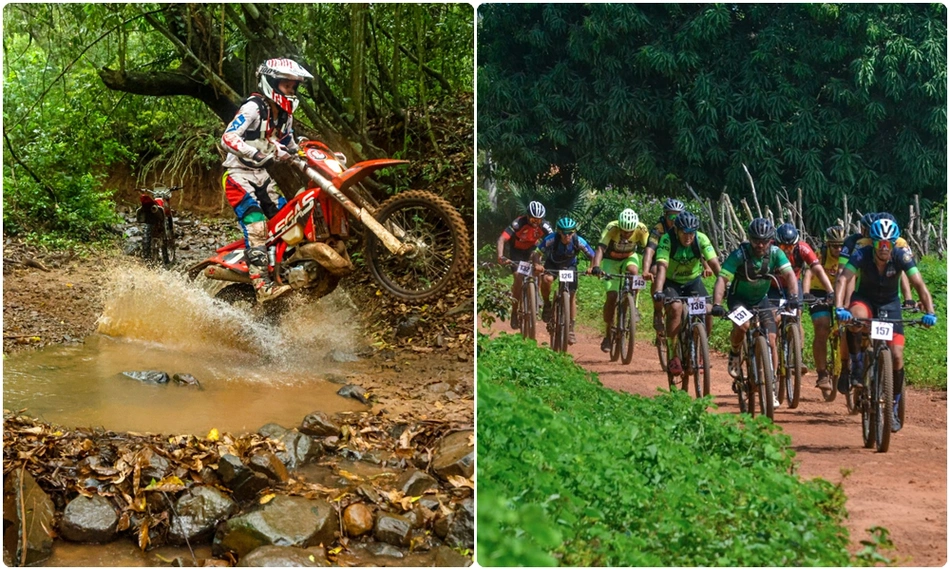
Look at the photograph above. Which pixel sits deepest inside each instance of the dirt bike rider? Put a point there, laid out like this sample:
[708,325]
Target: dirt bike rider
[821,311]
[559,251]
[851,243]
[750,264]
[679,274]
[877,267]
[524,233]
[619,242]
[262,130]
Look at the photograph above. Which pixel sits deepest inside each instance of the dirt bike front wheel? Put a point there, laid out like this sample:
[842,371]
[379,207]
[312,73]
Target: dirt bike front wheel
[441,247]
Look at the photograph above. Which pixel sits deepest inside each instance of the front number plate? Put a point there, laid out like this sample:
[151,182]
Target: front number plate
[697,305]
[882,331]
[524,268]
[740,316]
[565,276]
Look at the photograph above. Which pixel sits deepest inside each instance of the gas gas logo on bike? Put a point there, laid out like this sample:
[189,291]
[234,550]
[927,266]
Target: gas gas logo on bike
[314,154]
[304,203]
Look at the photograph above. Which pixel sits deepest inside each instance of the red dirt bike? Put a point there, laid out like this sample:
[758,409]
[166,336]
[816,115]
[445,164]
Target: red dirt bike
[155,212]
[416,248]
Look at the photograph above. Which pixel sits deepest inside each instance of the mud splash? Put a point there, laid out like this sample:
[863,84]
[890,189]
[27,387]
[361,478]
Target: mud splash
[251,372]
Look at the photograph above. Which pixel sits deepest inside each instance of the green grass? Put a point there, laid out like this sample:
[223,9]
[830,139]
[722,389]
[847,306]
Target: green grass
[573,474]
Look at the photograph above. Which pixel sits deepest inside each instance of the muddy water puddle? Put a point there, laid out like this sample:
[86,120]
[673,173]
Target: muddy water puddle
[251,370]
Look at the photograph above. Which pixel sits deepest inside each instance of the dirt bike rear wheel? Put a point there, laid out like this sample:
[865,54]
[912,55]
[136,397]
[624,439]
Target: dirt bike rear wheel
[442,250]
[242,295]
[169,254]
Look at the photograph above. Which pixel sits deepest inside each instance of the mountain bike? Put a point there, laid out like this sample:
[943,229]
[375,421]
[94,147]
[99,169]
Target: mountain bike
[834,364]
[691,341]
[623,333]
[755,379]
[875,401]
[560,322]
[789,369]
[530,299]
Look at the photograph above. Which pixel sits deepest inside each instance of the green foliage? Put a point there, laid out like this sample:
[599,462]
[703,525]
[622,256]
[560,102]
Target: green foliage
[846,100]
[571,473]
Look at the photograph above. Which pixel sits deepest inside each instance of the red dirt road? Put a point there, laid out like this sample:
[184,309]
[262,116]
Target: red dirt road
[904,490]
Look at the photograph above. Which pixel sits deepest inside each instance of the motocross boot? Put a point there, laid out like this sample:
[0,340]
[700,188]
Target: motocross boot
[265,289]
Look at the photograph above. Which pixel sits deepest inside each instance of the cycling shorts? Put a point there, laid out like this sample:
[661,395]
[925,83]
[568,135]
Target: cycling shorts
[550,266]
[823,309]
[891,310]
[694,288]
[767,317]
[615,267]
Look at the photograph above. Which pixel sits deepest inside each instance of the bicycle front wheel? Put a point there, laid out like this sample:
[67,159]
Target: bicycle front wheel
[627,328]
[699,360]
[529,310]
[792,375]
[763,377]
[884,400]
[834,365]
[562,316]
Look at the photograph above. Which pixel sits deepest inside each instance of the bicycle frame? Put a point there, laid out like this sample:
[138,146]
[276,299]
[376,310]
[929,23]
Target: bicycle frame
[749,383]
[694,324]
[560,321]
[622,333]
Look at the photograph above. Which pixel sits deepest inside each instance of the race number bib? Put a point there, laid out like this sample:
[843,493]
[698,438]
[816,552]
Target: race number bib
[565,276]
[697,305]
[637,282]
[524,268]
[740,316]
[882,331]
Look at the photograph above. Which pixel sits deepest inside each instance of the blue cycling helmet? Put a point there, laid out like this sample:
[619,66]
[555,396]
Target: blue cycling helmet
[869,218]
[885,229]
[566,224]
[786,234]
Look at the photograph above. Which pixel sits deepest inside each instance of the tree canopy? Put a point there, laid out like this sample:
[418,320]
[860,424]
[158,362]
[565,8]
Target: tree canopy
[89,85]
[837,100]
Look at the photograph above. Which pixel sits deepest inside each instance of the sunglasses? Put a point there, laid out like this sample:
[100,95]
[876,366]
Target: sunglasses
[883,244]
[760,241]
[534,220]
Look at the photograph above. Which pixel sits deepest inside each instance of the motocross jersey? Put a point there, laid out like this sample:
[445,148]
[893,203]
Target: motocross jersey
[684,263]
[802,254]
[749,276]
[525,235]
[880,287]
[657,232]
[251,129]
[830,264]
[615,247]
[560,255]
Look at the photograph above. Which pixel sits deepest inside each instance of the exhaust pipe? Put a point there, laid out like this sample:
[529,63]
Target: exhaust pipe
[326,256]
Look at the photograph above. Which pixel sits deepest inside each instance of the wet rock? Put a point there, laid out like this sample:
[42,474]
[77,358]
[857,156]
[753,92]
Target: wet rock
[335,378]
[370,493]
[148,376]
[414,483]
[407,326]
[355,392]
[299,449]
[25,541]
[319,425]
[89,519]
[455,455]
[243,482]
[423,541]
[186,380]
[271,556]
[337,355]
[197,512]
[157,468]
[383,549]
[460,526]
[267,464]
[357,519]
[449,557]
[387,354]
[430,502]
[272,431]
[285,521]
[392,529]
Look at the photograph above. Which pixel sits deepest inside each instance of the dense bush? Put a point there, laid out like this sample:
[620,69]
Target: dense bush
[571,473]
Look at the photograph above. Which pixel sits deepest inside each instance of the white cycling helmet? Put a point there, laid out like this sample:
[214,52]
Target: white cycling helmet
[536,209]
[272,71]
[628,220]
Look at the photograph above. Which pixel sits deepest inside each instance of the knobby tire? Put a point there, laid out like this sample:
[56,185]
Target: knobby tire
[884,400]
[529,310]
[763,376]
[793,367]
[700,360]
[628,331]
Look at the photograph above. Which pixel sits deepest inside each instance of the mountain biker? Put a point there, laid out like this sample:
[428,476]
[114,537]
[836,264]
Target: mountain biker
[262,130]
[748,268]
[679,271]
[559,251]
[671,208]
[850,245]
[617,253]
[524,233]
[877,268]
[821,311]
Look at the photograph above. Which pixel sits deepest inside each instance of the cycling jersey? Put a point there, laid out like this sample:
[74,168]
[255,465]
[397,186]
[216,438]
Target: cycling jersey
[830,264]
[525,235]
[558,255]
[683,264]
[802,254]
[880,287]
[847,248]
[749,276]
[657,232]
[615,247]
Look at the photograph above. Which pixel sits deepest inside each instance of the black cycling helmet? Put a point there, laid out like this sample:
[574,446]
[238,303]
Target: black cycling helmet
[673,205]
[835,235]
[566,224]
[869,218]
[687,222]
[761,229]
[786,234]
[886,216]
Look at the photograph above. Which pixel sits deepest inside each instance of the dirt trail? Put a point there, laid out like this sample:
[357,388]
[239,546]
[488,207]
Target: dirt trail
[904,490]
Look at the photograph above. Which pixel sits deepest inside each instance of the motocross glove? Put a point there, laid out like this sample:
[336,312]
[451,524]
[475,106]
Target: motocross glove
[843,314]
[282,154]
[718,311]
[929,320]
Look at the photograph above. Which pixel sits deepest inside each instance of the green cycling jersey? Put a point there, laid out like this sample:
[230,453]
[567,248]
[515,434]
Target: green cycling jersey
[684,263]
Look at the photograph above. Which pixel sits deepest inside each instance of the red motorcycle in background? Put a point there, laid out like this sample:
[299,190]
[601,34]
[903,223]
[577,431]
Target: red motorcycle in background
[158,234]
[416,246]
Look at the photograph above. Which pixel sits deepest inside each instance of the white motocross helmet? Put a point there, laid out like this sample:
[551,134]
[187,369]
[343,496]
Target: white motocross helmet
[273,70]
